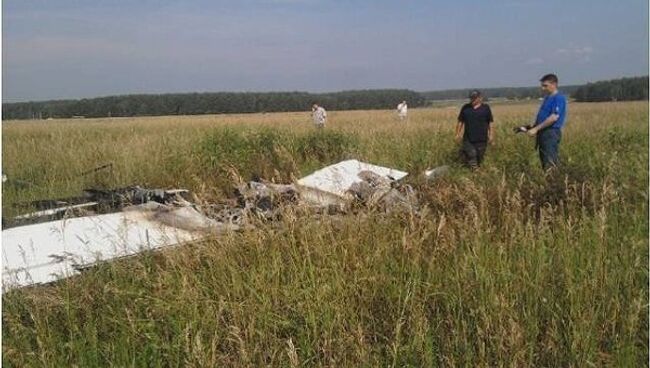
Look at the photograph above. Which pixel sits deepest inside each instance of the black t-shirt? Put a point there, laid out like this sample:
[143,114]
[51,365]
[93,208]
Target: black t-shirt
[476,122]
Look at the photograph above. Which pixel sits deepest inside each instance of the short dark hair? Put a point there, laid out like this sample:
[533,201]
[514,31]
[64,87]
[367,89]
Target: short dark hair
[549,78]
[474,94]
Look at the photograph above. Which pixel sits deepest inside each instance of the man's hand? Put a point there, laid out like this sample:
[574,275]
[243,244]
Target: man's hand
[491,140]
[458,138]
[543,125]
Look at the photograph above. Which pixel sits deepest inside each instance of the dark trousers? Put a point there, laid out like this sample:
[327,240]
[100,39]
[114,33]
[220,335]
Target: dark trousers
[473,152]
[548,144]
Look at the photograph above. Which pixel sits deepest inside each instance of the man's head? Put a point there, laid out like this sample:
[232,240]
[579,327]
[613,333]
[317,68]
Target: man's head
[314,106]
[549,83]
[475,97]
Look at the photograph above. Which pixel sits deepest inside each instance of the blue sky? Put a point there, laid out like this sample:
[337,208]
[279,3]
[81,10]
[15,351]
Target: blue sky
[75,48]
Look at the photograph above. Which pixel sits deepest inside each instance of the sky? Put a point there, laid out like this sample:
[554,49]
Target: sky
[80,48]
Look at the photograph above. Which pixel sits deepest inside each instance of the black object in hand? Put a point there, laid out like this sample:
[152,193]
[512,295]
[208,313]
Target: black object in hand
[521,129]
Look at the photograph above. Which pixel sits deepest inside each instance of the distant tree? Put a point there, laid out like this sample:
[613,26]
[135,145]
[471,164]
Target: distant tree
[624,89]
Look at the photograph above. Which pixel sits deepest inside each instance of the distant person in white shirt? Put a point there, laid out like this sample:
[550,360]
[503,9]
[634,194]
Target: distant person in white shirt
[319,115]
[402,111]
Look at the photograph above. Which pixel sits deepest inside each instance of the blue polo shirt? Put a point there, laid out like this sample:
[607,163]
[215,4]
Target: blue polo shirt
[552,104]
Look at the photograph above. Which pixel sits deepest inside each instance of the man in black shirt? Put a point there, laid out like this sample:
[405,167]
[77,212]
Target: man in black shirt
[475,129]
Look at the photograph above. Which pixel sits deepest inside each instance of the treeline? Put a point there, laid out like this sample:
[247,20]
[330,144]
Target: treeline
[512,93]
[209,103]
[624,89]
[635,88]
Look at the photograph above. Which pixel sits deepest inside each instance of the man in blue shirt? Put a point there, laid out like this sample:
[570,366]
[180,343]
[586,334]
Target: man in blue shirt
[549,122]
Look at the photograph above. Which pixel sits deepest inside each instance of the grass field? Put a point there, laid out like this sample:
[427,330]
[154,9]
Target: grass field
[504,267]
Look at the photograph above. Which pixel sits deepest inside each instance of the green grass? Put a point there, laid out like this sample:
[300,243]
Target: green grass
[505,267]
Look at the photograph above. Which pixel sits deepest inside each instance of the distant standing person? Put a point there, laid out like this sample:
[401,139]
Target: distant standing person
[319,115]
[402,111]
[474,129]
[549,122]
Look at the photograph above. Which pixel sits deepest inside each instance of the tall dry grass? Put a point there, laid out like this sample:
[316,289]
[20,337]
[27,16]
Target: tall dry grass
[505,267]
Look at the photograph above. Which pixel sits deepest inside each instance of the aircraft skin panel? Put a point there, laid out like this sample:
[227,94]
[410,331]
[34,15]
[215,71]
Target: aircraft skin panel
[338,178]
[46,252]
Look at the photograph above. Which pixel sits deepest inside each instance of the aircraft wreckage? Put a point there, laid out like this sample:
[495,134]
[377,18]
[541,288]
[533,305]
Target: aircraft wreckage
[63,237]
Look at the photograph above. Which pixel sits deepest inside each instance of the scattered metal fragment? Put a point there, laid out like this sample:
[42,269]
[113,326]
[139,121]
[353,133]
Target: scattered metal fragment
[93,201]
[379,192]
[54,211]
[99,168]
[436,172]
[6,180]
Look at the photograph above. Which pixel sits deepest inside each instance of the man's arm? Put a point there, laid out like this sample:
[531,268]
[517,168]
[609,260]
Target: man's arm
[460,128]
[490,126]
[491,132]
